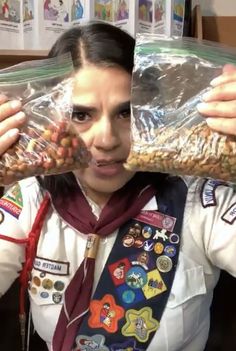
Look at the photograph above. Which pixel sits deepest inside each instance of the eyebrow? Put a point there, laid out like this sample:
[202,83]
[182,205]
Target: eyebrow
[120,107]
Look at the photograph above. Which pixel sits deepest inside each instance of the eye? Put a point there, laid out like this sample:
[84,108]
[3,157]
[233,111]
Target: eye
[80,116]
[125,114]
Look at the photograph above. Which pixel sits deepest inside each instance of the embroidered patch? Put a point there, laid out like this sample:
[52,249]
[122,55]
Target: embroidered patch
[157,219]
[90,343]
[136,277]
[129,345]
[208,197]
[12,201]
[230,215]
[155,285]
[118,270]
[129,297]
[139,324]
[51,266]
[105,314]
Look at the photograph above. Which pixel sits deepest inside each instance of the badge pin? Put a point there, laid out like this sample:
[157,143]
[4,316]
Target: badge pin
[36,280]
[148,245]
[128,240]
[59,285]
[56,297]
[164,264]
[136,277]
[139,324]
[147,232]
[105,313]
[158,248]
[174,238]
[47,284]
[170,250]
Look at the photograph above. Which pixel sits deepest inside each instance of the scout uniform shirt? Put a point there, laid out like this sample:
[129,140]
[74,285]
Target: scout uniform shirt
[208,240]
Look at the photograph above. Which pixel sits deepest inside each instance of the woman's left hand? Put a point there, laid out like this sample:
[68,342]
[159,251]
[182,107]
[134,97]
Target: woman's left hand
[219,106]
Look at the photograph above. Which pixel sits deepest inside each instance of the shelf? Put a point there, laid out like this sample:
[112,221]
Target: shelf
[12,57]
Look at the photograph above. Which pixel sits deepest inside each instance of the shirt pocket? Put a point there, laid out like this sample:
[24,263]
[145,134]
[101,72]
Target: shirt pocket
[188,303]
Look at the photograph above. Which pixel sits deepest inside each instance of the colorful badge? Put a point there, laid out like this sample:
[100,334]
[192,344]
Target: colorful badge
[155,285]
[164,264]
[158,248]
[148,245]
[12,201]
[90,343]
[129,297]
[139,324]
[59,285]
[147,232]
[105,314]
[118,271]
[142,259]
[136,277]
[170,250]
[128,240]
[161,234]
[174,238]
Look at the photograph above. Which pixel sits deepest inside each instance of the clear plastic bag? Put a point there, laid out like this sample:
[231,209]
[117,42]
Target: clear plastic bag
[48,143]
[168,134]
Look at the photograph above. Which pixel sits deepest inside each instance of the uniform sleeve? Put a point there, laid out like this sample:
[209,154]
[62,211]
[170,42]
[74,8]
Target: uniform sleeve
[215,208]
[14,224]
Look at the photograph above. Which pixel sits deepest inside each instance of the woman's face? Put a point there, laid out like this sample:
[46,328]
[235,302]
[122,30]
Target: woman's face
[101,115]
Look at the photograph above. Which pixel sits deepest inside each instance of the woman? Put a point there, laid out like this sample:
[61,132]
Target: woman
[186,241]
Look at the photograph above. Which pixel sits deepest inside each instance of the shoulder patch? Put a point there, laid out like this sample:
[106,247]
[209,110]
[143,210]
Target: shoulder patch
[12,201]
[230,215]
[209,187]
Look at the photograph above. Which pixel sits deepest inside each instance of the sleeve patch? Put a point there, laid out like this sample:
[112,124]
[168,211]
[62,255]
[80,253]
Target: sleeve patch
[230,215]
[12,201]
[208,197]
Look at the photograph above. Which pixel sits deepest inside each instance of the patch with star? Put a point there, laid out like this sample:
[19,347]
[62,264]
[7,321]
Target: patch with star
[139,324]
[105,313]
[90,343]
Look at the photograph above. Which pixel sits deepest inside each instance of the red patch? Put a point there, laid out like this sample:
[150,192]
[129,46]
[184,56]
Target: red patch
[118,271]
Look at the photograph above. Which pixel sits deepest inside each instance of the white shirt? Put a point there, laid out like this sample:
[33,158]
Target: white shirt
[208,243]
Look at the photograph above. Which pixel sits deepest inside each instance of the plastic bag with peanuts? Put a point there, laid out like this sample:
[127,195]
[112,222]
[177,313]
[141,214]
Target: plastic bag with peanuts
[48,143]
[170,77]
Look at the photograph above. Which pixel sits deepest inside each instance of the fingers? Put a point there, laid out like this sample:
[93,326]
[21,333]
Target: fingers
[224,92]
[228,75]
[7,139]
[9,108]
[16,121]
[217,109]
[222,125]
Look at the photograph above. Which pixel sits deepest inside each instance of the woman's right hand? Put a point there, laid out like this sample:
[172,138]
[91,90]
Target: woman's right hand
[11,119]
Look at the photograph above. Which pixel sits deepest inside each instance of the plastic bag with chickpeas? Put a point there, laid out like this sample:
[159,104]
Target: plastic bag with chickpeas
[170,77]
[48,143]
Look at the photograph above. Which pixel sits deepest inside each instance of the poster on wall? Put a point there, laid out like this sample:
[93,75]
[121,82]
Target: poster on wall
[120,13]
[11,24]
[164,17]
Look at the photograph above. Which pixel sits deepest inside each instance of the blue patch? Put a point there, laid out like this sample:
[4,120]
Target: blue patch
[129,297]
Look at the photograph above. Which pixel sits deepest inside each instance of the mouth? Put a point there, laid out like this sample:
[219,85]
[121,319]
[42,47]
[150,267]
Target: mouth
[108,167]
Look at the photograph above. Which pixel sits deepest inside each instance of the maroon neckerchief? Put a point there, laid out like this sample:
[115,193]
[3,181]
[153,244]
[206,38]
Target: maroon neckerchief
[123,205]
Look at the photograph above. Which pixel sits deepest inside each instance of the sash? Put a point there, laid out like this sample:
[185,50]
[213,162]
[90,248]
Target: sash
[127,306]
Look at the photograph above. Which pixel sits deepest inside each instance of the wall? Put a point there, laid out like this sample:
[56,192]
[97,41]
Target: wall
[219,20]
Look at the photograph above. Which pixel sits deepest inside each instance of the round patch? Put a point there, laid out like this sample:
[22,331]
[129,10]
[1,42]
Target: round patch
[128,241]
[148,245]
[138,242]
[42,274]
[158,248]
[128,296]
[44,294]
[170,250]
[56,297]
[164,264]
[33,290]
[174,238]
[167,223]
[147,232]
[1,216]
[136,277]
[36,280]
[59,285]
[47,284]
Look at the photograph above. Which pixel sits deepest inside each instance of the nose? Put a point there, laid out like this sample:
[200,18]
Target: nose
[106,134]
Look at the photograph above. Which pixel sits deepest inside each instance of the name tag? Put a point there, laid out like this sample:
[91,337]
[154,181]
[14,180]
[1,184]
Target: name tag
[52,267]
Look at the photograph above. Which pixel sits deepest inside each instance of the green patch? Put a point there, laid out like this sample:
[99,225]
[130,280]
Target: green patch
[14,195]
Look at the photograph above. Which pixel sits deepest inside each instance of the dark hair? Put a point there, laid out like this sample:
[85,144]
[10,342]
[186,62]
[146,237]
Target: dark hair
[100,44]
